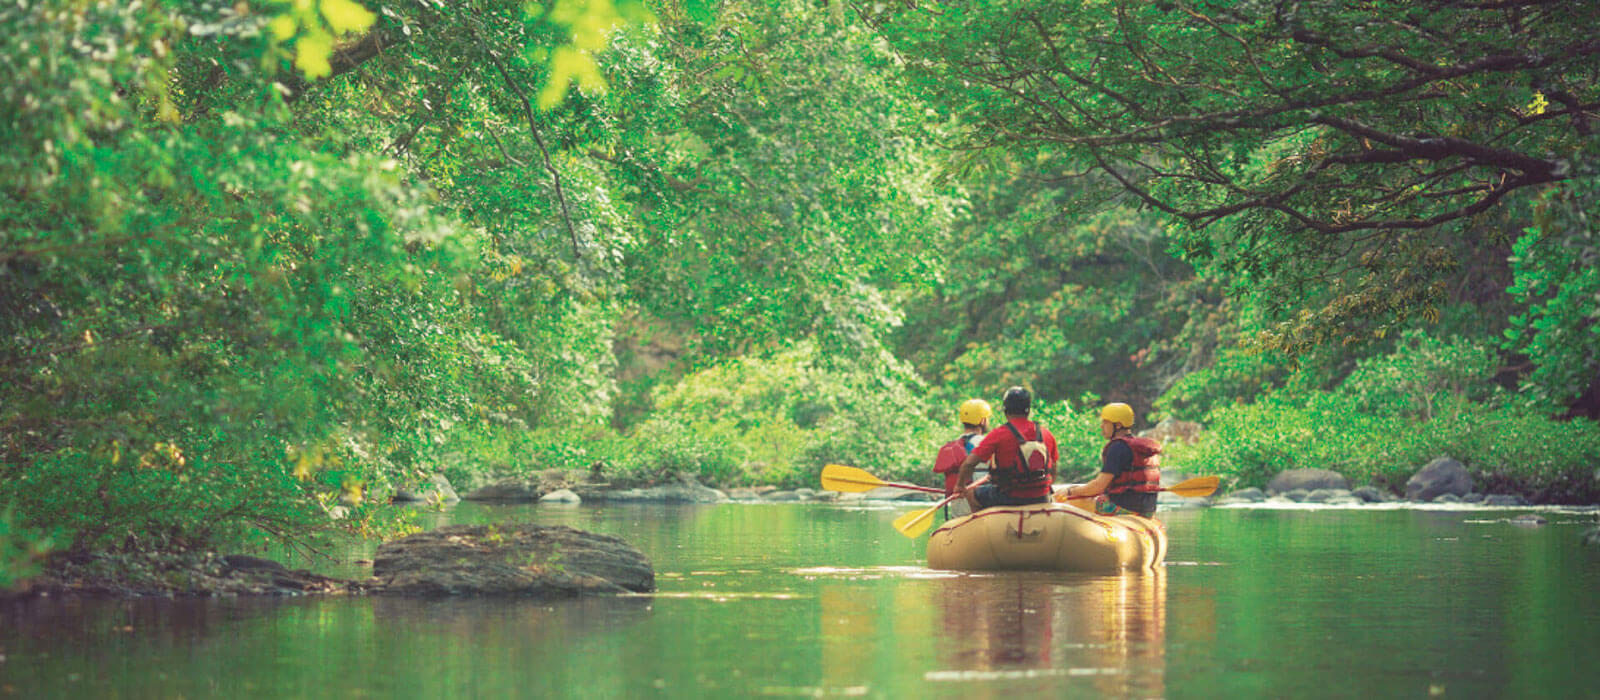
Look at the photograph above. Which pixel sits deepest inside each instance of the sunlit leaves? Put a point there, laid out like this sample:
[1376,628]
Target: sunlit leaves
[589,25]
[314,26]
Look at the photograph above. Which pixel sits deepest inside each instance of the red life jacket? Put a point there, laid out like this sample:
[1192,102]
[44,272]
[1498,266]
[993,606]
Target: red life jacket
[949,462]
[1024,475]
[1145,476]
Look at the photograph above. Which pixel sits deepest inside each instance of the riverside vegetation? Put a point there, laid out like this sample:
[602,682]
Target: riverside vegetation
[264,263]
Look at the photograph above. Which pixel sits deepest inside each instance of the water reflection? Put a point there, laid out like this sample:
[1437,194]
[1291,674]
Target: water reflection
[1108,631]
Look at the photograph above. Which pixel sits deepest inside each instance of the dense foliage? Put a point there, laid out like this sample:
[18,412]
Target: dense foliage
[262,264]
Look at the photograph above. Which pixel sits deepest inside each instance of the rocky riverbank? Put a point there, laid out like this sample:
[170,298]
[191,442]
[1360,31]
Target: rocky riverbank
[543,561]
[512,559]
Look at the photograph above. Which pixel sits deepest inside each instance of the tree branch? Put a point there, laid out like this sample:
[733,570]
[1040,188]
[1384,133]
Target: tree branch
[538,138]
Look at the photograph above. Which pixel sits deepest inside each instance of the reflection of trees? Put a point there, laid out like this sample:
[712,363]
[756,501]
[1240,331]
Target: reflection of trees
[449,645]
[520,621]
[1109,630]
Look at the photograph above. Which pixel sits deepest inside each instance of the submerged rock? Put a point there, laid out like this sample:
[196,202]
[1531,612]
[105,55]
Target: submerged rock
[1441,476]
[1592,537]
[1307,479]
[1529,520]
[510,559]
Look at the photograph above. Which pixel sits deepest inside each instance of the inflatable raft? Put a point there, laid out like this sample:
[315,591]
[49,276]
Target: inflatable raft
[1047,537]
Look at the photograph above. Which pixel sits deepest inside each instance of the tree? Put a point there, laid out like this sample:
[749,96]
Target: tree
[222,308]
[1350,157]
[1037,292]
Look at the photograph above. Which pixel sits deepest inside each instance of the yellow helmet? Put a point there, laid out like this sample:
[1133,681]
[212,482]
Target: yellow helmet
[975,411]
[1119,413]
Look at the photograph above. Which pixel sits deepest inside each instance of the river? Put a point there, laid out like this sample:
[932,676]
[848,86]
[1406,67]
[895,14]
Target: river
[816,600]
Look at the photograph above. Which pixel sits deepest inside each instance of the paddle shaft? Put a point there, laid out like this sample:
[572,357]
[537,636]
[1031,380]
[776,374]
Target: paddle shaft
[1198,487]
[891,484]
[914,526]
[839,477]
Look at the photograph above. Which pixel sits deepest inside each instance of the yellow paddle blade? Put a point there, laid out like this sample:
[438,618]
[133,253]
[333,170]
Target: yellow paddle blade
[838,477]
[916,522]
[1198,487]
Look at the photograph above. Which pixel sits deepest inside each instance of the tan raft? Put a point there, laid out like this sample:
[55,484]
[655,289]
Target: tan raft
[1047,537]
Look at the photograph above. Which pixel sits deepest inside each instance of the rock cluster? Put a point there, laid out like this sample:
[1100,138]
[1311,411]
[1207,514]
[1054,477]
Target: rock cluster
[510,559]
[1440,477]
[1443,480]
[139,574]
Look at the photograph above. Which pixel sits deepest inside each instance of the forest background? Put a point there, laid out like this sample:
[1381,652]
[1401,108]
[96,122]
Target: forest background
[262,263]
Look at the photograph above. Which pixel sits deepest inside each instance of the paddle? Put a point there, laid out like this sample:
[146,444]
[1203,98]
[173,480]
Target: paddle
[838,477]
[917,522]
[1198,487]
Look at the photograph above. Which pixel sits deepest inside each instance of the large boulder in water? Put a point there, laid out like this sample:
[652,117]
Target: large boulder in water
[510,559]
[1308,480]
[1439,477]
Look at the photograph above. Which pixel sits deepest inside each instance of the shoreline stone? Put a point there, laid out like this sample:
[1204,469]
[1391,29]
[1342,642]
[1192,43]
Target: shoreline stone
[515,559]
[512,559]
[1440,477]
[169,575]
[686,490]
[1306,479]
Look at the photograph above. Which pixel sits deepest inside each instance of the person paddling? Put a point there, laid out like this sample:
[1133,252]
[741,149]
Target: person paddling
[974,415]
[1022,454]
[1130,471]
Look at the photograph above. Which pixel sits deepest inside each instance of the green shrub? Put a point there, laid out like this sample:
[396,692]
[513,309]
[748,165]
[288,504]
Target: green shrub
[1420,373]
[660,449]
[1508,448]
[777,418]
[22,550]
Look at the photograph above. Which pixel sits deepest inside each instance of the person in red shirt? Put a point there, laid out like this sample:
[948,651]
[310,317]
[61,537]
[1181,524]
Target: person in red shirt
[1023,456]
[974,415]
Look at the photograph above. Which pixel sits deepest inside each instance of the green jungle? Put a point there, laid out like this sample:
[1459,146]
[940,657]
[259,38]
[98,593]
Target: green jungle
[265,262]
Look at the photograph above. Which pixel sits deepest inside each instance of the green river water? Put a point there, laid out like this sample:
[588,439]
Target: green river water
[814,600]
